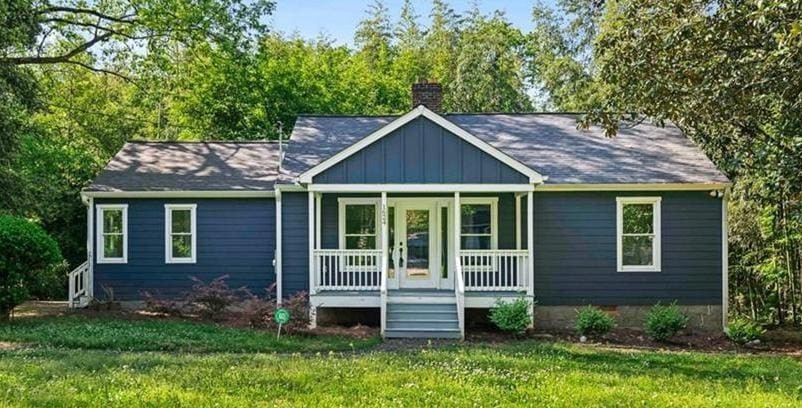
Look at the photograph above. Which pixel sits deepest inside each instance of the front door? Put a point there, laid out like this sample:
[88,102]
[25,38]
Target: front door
[416,238]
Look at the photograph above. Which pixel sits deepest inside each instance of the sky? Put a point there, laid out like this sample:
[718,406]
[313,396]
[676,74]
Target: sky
[337,19]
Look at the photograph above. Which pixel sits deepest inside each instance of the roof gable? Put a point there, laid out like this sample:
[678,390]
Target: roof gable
[421,111]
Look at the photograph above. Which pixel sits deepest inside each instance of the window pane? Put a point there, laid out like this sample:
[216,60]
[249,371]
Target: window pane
[391,241]
[182,221]
[638,218]
[360,219]
[182,246]
[112,246]
[476,242]
[360,242]
[112,220]
[637,251]
[476,219]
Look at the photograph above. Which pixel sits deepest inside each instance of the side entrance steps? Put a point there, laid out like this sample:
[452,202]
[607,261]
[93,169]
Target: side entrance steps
[422,320]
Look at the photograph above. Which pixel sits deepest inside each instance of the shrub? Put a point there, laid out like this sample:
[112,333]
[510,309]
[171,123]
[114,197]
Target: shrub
[512,316]
[742,331]
[664,321]
[29,259]
[157,304]
[259,312]
[591,321]
[213,298]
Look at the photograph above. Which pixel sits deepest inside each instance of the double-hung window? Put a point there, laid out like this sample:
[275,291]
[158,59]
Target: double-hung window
[478,224]
[180,233]
[358,229]
[638,234]
[112,233]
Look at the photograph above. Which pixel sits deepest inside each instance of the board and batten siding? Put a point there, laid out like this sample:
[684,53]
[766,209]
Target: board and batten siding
[235,237]
[420,152]
[575,251]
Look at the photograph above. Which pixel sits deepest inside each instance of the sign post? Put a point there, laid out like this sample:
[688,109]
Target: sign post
[282,317]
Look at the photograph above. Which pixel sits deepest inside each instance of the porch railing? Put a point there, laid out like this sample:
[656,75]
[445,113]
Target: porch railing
[78,284]
[495,269]
[347,269]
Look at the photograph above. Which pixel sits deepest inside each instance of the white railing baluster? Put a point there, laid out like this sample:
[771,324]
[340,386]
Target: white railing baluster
[348,269]
[494,269]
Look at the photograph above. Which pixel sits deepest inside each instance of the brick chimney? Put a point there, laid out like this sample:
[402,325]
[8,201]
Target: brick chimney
[428,94]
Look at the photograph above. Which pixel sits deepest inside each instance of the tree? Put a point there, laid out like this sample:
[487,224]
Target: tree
[441,47]
[489,70]
[411,64]
[28,257]
[722,73]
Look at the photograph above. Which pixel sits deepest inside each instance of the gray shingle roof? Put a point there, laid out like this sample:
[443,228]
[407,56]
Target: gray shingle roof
[551,144]
[192,166]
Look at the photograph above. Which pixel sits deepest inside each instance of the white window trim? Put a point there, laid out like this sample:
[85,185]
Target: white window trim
[101,258]
[656,244]
[168,246]
[344,201]
[493,202]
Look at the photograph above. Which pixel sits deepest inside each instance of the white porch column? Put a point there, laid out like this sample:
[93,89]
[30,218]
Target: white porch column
[457,227]
[530,246]
[311,214]
[384,260]
[312,291]
[277,260]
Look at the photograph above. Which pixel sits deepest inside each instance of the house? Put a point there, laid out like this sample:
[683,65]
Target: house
[421,218]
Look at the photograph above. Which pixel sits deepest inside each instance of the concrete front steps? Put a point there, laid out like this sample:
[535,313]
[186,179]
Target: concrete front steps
[428,320]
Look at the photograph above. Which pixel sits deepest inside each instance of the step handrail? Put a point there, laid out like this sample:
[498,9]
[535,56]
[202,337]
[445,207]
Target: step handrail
[459,293]
[78,282]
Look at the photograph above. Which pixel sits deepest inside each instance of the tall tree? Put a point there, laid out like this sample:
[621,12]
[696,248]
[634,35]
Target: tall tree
[410,63]
[441,47]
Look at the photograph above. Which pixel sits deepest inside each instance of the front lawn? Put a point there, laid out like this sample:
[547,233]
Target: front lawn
[523,373]
[107,333]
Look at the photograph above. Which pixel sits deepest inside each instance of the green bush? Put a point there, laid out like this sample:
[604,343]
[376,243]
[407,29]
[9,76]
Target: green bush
[591,321]
[29,259]
[664,321]
[742,331]
[512,316]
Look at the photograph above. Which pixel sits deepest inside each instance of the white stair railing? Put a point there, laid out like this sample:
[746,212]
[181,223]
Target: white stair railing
[495,269]
[459,293]
[347,269]
[78,284]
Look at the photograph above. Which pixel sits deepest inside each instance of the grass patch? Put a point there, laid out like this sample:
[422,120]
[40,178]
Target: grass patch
[227,367]
[105,333]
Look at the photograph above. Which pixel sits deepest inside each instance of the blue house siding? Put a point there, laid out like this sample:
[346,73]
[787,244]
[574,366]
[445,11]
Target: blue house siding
[420,152]
[236,237]
[575,251]
[294,243]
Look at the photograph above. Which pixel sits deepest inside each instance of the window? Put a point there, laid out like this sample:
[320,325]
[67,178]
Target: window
[638,238]
[180,233]
[112,233]
[358,224]
[478,224]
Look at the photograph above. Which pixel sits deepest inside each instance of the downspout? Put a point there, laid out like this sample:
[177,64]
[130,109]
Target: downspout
[725,276]
[277,252]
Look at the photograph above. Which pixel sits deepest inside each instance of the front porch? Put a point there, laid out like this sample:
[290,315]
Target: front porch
[421,258]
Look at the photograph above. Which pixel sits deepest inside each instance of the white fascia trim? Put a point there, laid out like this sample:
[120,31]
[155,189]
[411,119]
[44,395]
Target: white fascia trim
[178,194]
[658,231]
[101,258]
[168,244]
[290,187]
[420,188]
[534,177]
[633,187]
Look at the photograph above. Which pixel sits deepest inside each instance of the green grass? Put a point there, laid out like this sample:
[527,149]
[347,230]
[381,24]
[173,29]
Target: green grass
[526,373]
[159,335]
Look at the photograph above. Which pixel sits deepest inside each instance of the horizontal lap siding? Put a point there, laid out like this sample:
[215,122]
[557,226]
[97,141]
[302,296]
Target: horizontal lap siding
[295,243]
[235,237]
[420,152]
[575,251]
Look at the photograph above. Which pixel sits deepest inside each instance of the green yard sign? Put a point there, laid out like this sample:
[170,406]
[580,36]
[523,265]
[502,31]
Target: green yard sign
[282,317]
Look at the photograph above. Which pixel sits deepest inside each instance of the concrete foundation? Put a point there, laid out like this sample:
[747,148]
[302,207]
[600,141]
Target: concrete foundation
[706,318]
